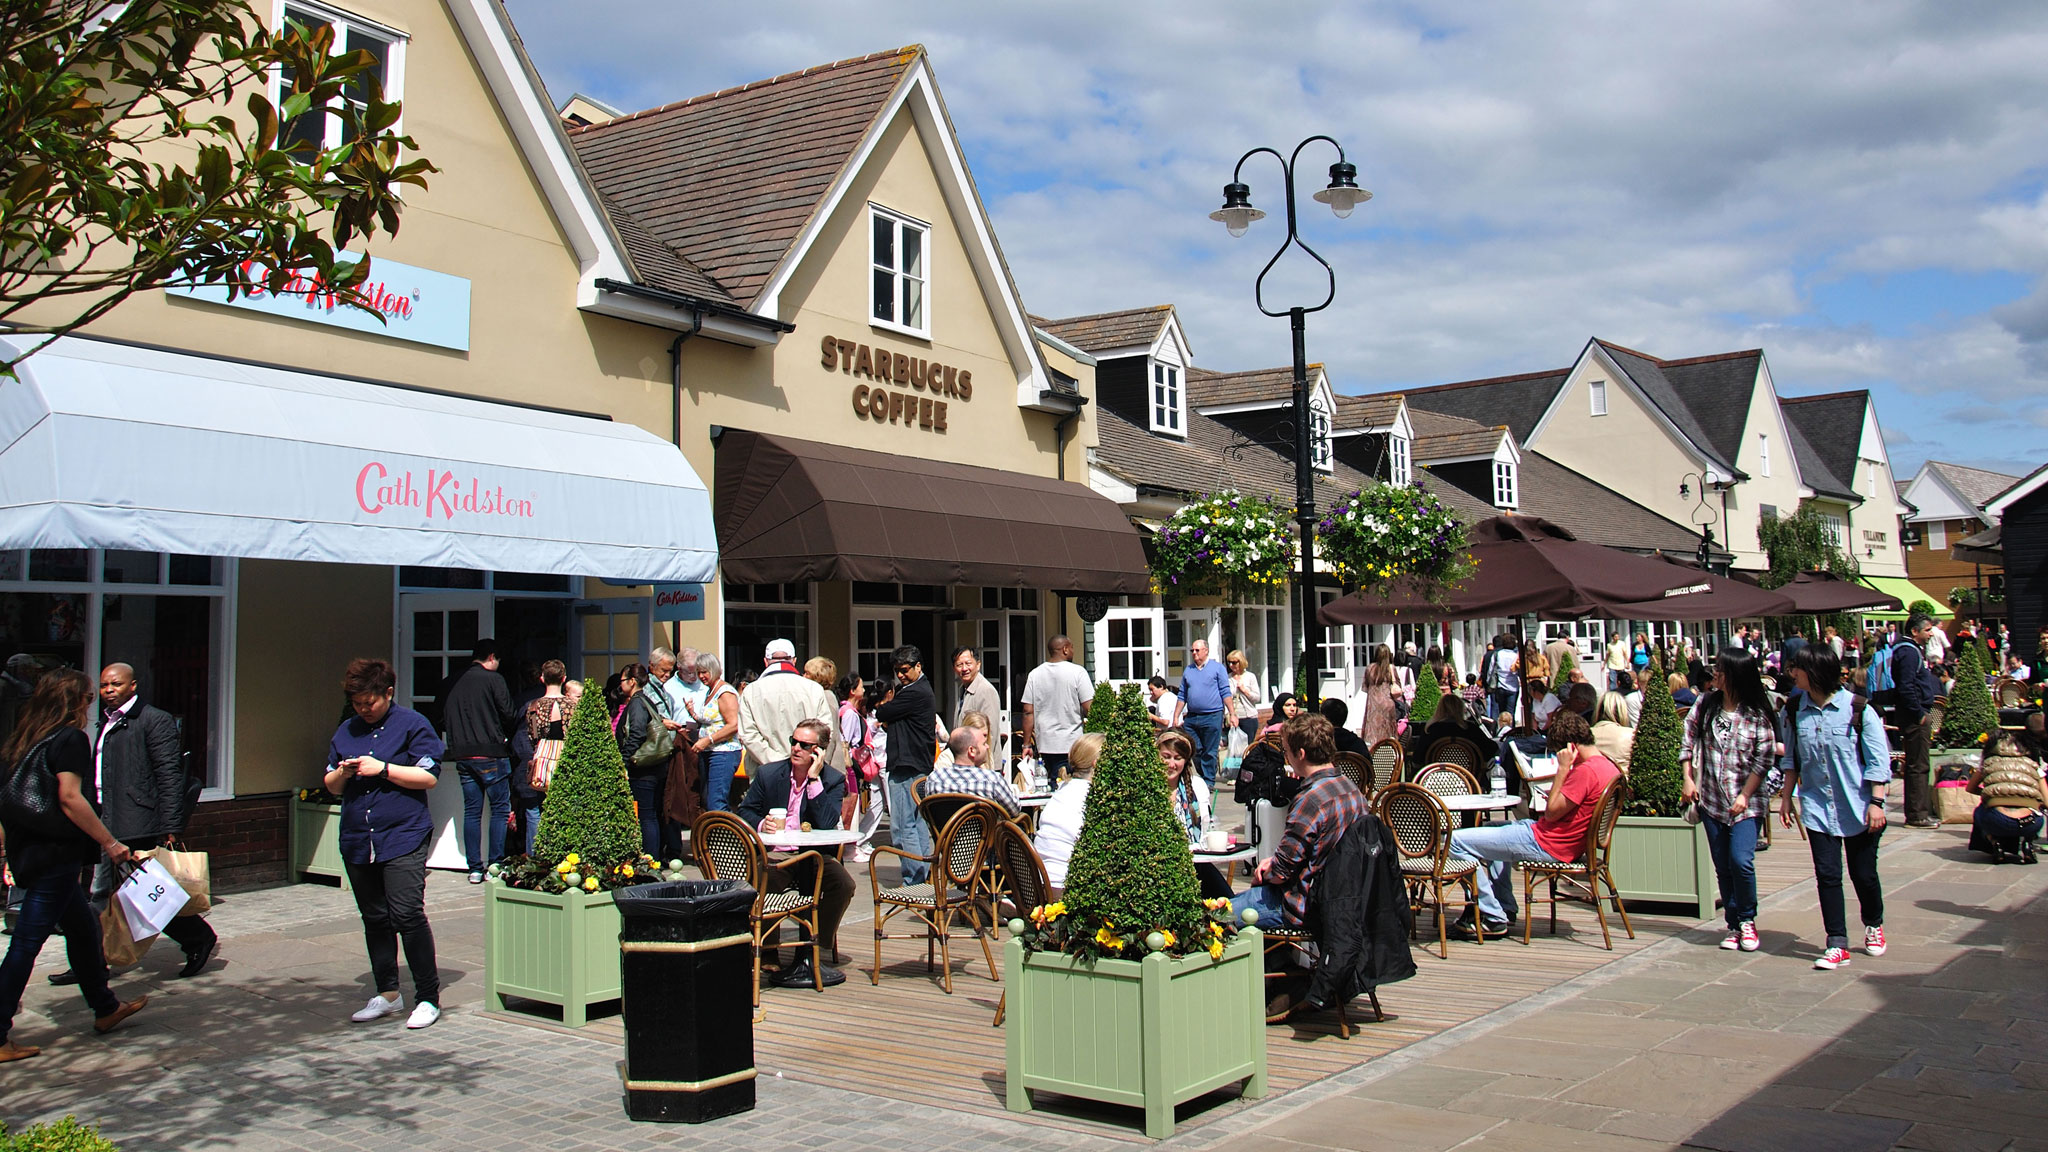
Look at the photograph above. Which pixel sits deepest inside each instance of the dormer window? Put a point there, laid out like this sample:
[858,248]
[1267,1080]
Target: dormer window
[900,279]
[320,127]
[1400,470]
[1598,389]
[1319,437]
[1505,493]
[1166,398]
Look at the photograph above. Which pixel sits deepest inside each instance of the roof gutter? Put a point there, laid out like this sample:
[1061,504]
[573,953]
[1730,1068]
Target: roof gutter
[698,306]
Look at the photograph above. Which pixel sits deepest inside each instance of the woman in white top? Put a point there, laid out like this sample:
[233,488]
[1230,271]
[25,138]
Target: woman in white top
[1191,805]
[1059,822]
[1244,695]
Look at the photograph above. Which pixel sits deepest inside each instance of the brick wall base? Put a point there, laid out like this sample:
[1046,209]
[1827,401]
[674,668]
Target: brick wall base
[248,839]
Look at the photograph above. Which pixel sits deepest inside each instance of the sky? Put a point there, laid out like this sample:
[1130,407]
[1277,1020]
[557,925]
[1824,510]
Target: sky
[1861,190]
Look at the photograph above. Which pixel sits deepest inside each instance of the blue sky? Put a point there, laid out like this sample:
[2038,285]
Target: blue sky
[1858,190]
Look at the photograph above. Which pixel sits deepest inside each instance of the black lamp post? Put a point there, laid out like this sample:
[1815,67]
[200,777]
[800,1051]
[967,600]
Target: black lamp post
[1342,195]
[1702,515]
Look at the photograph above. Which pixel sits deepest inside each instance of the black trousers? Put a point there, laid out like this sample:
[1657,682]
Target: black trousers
[1919,792]
[835,893]
[1861,852]
[392,897]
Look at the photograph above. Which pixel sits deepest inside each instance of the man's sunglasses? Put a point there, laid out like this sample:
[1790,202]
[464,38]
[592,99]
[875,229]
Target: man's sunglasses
[803,744]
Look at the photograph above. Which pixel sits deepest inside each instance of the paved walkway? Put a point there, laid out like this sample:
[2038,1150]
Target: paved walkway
[1937,1045]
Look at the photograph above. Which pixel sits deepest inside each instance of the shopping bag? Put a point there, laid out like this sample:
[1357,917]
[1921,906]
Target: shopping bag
[151,897]
[194,874]
[120,945]
[1955,805]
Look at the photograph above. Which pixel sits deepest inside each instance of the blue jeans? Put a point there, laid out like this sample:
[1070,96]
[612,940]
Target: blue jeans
[647,790]
[1496,848]
[907,829]
[1264,897]
[55,903]
[718,771]
[1733,847]
[1207,729]
[1501,700]
[481,780]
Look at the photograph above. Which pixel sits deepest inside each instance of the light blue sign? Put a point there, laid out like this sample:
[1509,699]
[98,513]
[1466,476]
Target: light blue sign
[418,304]
[678,601]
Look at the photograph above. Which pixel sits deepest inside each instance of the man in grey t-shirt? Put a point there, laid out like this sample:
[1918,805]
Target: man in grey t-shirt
[1056,699]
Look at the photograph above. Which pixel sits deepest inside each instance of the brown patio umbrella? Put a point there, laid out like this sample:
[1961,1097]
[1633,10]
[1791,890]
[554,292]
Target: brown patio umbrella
[1820,593]
[1527,564]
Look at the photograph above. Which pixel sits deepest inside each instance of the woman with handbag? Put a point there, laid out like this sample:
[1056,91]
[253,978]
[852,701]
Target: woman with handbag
[718,727]
[547,722]
[647,740]
[51,830]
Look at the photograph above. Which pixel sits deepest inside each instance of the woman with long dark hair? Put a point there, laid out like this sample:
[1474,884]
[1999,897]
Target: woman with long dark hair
[46,857]
[1729,748]
[1839,763]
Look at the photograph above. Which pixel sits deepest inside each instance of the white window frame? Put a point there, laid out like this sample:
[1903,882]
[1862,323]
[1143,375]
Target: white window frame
[897,275]
[1937,535]
[885,666]
[1837,529]
[345,22]
[1400,461]
[1152,650]
[1320,453]
[1763,453]
[1506,490]
[1166,386]
[1596,391]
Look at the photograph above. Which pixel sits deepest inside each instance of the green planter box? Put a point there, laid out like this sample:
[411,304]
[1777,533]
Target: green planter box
[316,841]
[560,949]
[1665,860]
[1146,1033]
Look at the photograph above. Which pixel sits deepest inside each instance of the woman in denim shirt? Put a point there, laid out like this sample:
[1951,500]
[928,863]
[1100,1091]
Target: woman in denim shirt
[1838,763]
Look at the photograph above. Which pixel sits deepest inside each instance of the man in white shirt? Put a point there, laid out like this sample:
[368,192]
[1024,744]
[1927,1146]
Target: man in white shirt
[1056,699]
[1167,709]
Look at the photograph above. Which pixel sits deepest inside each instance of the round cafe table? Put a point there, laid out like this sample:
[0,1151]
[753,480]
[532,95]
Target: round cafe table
[1483,802]
[818,838]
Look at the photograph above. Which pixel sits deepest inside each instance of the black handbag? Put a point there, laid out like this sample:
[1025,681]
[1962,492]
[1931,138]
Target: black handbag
[28,795]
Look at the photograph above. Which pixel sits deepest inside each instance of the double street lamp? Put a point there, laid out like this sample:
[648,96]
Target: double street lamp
[1237,214]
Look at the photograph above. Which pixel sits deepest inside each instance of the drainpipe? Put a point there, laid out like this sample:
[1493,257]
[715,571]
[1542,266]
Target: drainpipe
[675,375]
[1059,440]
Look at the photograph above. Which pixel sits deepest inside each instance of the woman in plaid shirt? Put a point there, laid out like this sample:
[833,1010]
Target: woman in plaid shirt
[1731,743]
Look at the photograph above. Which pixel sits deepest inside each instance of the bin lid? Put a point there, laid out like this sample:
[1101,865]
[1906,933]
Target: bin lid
[683,899]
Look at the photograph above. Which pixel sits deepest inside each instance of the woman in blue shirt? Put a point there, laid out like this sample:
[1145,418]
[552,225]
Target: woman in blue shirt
[1838,763]
[382,762]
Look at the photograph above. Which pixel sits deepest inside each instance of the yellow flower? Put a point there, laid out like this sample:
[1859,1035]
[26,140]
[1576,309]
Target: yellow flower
[1215,929]
[564,867]
[1168,933]
[571,859]
[590,884]
[1056,909]
[1216,950]
[1108,939]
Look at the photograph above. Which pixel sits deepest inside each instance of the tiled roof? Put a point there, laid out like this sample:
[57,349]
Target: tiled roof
[1516,401]
[1106,330]
[726,182]
[1973,484]
[1367,411]
[1596,512]
[1827,431]
[1260,385]
[1707,397]
[1457,445]
[1213,456]
[657,263]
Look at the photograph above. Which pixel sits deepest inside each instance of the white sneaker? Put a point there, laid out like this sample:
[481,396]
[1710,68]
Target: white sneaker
[423,1014]
[379,1007]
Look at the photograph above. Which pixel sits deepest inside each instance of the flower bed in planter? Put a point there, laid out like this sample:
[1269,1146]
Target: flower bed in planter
[1146,1033]
[558,948]
[316,841]
[1665,860]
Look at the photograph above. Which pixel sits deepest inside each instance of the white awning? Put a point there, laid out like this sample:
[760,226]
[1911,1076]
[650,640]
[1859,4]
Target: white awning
[112,446]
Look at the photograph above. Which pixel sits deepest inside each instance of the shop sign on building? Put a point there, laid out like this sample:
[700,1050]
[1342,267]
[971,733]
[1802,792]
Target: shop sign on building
[678,601]
[417,304]
[910,375]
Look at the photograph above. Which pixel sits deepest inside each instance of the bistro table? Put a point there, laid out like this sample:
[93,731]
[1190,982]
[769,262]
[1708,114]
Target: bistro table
[795,839]
[1228,859]
[1032,803]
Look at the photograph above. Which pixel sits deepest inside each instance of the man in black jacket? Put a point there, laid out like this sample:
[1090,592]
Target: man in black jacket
[477,715]
[912,717]
[141,775]
[1914,690]
[809,791]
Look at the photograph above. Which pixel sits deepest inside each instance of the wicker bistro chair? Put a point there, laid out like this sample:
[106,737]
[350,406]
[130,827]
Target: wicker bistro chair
[2009,693]
[938,810]
[1024,883]
[1453,750]
[726,849]
[957,864]
[1355,768]
[1388,761]
[1445,779]
[1422,831]
[1584,877]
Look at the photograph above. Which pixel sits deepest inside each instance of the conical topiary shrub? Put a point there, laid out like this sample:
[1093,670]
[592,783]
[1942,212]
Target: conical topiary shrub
[1970,715]
[589,808]
[1100,709]
[1561,676]
[1132,874]
[1427,693]
[1653,774]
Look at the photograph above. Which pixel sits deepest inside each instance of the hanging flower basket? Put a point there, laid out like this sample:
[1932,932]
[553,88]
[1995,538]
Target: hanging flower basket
[1385,533]
[1225,544]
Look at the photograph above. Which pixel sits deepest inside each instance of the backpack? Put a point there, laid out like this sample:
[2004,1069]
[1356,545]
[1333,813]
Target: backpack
[1878,677]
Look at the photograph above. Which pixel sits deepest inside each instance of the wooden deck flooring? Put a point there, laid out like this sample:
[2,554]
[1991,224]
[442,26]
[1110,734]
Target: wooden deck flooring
[906,1039]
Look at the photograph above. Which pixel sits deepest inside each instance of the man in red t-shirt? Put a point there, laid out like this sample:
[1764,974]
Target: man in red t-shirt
[1582,775]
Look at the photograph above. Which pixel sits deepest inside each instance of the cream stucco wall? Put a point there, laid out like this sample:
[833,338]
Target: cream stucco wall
[1627,450]
[1881,511]
[1781,489]
[300,625]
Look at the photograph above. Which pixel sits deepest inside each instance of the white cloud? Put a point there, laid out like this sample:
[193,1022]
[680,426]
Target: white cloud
[1672,177]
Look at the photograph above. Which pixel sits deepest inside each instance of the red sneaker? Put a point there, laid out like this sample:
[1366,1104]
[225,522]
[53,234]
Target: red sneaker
[1832,959]
[1873,940]
[1750,943]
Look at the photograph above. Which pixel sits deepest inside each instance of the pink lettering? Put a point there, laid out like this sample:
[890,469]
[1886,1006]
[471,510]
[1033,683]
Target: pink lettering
[362,478]
[437,489]
[377,490]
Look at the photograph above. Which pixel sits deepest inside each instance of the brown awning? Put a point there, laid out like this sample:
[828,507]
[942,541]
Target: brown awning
[791,510]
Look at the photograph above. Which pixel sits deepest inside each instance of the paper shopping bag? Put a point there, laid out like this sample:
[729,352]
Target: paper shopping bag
[151,897]
[117,942]
[194,875]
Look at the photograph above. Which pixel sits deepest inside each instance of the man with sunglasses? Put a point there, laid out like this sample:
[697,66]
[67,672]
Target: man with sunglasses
[912,715]
[810,791]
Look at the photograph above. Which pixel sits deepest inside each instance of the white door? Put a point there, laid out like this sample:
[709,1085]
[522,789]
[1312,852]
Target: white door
[1184,627]
[1130,646]
[437,632]
[1007,643]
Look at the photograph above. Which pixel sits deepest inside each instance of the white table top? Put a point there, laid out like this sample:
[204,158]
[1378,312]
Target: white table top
[817,838]
[1243,853]
[1036,800]
[1480,803]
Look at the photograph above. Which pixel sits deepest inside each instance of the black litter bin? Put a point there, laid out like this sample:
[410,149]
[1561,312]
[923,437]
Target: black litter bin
[686,983]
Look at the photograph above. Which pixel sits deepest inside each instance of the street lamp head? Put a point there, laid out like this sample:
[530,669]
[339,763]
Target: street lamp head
[1684,490]
[1237,212]
[1343,194]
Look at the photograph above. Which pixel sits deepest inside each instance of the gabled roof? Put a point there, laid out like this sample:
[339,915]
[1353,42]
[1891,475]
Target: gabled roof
[1259,386]
[2015,492]
[1214,456]
[1104,331]
[728,181]
[1705,397]
[1976,486]
[1830,428]
[1593,511]
[1450,438]
[1516,401]
[1367,411]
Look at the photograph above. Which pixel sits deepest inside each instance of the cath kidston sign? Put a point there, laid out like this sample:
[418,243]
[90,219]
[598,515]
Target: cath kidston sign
[417,304]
